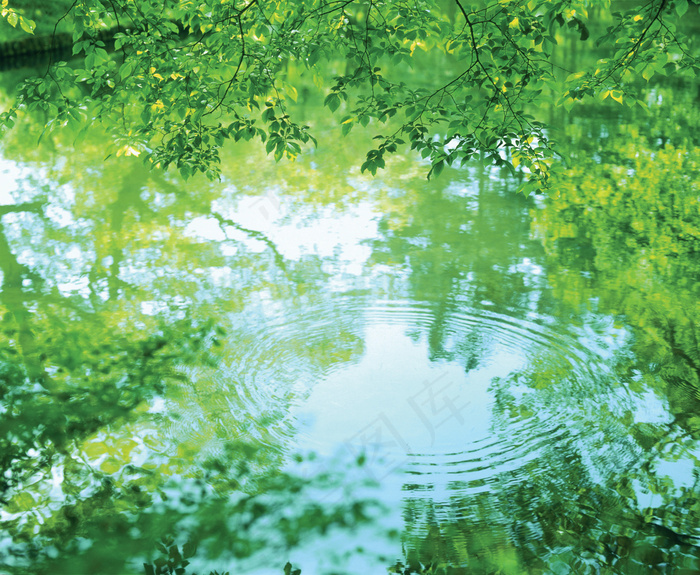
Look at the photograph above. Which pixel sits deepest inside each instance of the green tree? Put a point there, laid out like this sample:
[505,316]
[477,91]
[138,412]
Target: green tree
[187,75]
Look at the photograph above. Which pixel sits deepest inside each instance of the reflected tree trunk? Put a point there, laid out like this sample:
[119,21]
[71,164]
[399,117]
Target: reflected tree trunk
[14,297]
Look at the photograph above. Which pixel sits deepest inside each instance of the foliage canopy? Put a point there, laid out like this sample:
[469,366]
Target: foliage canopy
[186,75]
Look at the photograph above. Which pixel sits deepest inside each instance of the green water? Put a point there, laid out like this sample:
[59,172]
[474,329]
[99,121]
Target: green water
[301,363]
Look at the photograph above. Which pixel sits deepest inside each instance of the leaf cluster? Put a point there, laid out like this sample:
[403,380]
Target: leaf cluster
[15,18]
[181,71]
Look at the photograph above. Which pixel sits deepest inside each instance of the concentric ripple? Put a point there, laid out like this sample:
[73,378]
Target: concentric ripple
[455,412]
[448,398]
[437,401]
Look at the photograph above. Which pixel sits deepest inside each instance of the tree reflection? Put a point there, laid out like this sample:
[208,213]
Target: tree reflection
[612,487]
[621,239]
[152,338]
[127,414]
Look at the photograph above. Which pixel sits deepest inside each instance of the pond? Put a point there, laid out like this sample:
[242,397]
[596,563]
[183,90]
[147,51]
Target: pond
[304,364]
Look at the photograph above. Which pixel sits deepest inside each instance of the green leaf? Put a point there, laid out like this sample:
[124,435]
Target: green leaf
[584,31]
[126,69]
[347,126]
[332,101]
[12,19]
[526,188]
[75,114]
[681,7]
[313,57]
[437,168]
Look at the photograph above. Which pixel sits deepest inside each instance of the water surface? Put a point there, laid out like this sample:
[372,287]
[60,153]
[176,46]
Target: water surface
[302,363]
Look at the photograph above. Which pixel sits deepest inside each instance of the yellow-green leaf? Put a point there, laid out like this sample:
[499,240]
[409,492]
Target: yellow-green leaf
[27,25]
[291,92]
